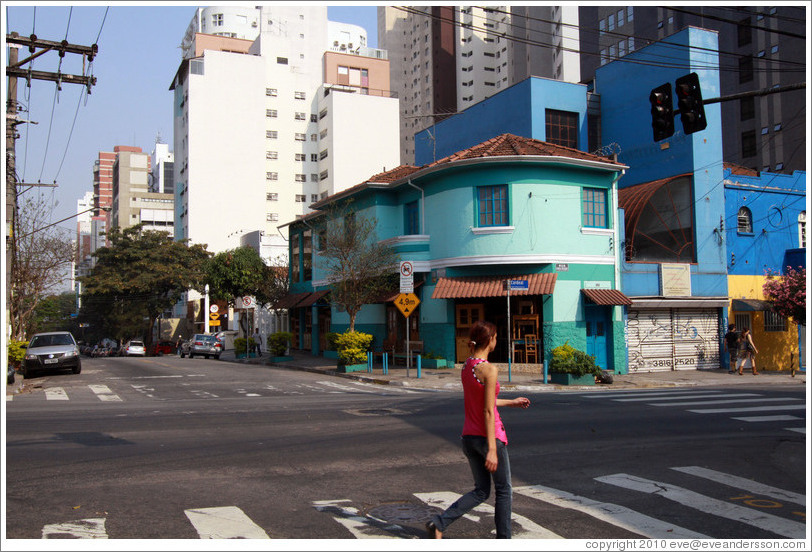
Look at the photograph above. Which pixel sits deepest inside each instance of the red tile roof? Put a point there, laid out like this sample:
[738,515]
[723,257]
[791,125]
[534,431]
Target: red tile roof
[606,297]
[510,145]
[492,286]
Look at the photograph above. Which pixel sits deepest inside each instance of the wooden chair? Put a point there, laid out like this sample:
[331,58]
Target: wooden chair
[531,348]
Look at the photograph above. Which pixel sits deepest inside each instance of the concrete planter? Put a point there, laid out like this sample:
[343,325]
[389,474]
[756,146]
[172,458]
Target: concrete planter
[569,379]
[346,368]
[242,355]
[330,354]
[433,363]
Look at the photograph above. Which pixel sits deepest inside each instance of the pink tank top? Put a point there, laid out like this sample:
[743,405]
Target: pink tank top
[474,394]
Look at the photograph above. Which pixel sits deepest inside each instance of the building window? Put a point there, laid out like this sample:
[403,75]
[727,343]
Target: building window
[747,108]
[270,92]
[749,143]
[272,217]
[620,18]
[323,154]
[323,175]
[745,69]
[270,113]
[314,137]
[323,134]
[314,177]
[300,157]
[492,205]
[744,32]
[299,96]
[630,14]
[301,198]
[300,116]
[282,60]
[217,19]
[322,114]
[562,128]
[742,321]
[744,221]
[411,222]
[774,322]
[779,166]
[272,134]
[314,198]
[774,49]
[271,155]
[272,196]
[314,157]
[271,176]
[777,127]
[300,178]
[300,136]
[802,229]
[594,208]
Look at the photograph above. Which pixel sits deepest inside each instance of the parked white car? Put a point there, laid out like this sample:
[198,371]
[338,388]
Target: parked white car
[134,348]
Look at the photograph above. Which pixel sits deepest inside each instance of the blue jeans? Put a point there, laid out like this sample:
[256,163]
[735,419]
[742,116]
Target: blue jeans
[476,449]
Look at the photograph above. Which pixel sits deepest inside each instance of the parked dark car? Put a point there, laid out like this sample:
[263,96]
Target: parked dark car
[51,351]
[162,348]
[201,345]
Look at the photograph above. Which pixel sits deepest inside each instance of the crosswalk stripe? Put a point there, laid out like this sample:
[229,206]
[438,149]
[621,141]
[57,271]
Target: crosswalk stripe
[56,394]
[742,483]
[617,515]
[356,524]
[776,418]
[798,429]
[761,520]
[92,528]
[750,409]
[726,401]
[227,522]
[104,394]
[529,529]
[683,397]
[614,394]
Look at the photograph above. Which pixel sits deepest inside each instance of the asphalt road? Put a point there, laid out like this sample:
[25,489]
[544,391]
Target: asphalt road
[171,448]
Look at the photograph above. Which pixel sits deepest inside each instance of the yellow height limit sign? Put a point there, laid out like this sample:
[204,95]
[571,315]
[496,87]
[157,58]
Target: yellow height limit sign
[406,303]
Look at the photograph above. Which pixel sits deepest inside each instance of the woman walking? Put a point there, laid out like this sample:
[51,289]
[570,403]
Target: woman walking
[484,441]
[747,351]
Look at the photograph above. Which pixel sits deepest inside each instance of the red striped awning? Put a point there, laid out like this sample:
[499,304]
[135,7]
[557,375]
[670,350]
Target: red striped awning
[606,297]
[492,286]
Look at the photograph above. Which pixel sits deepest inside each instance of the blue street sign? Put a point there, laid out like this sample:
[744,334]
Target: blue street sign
[518,284]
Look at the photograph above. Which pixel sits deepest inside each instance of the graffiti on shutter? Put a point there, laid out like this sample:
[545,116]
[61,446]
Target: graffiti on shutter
[672,339]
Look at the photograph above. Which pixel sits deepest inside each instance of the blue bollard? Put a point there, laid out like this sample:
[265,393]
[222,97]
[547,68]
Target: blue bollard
[418,366]
[386,363]
[369,363]
[544,364]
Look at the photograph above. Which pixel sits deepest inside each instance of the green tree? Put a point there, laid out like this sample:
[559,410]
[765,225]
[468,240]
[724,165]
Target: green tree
[53,313]
[139,275]
[235,273]
[359,267]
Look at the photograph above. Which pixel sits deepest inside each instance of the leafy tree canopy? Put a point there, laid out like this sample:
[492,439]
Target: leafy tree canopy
[235,273]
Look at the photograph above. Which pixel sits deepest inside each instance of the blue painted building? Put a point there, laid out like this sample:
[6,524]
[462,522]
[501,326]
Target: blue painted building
[508,208]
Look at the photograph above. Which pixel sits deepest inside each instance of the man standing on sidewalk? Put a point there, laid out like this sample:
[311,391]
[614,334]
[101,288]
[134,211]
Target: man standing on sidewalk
[732,346]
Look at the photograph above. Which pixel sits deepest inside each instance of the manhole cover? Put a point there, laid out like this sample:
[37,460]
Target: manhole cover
[404,513]
[375,411]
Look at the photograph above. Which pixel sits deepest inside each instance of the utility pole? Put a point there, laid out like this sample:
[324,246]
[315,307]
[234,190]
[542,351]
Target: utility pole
[14,71]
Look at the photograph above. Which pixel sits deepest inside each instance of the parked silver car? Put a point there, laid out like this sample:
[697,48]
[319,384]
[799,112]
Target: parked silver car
[51,351]
[133,348]
[201,345]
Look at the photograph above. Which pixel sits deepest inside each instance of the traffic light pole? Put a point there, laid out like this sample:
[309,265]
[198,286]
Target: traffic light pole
[753,93]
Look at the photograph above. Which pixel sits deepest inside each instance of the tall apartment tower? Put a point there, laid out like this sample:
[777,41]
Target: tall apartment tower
[255,134]
[759,48]
[133,202]
[82,260]
[162,174]
[446,59]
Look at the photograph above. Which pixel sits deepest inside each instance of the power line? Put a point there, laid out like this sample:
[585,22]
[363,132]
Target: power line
[725,20]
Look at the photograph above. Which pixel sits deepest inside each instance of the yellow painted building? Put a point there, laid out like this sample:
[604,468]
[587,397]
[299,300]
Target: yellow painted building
[775,337]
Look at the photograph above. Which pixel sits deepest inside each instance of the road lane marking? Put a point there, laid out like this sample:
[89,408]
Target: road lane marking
[712,506]
[227,522]
[749,409]
[725,401]
[614,394]
[361,527]
[740,483]
[56,394]
[776,418]
[104,394]
[617,515]
[92,528]
[798,429]
[528,529]
[697,396]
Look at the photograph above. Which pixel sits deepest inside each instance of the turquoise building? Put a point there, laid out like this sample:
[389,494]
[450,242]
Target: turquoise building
[507,208]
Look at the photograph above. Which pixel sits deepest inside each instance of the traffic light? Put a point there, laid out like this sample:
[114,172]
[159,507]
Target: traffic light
[689,101]
[662,112]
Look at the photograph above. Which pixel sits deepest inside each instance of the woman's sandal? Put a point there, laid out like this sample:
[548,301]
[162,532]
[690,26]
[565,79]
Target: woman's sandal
[431,529]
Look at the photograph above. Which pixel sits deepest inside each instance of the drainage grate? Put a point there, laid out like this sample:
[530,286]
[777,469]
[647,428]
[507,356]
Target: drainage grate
[403,513]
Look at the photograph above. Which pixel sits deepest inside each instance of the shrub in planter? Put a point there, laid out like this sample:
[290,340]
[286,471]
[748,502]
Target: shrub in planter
[353,347]
[239,345]
[16,352]
[569,360]
[278,343]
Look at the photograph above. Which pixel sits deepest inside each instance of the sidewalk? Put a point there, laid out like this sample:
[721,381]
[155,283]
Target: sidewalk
[449,378]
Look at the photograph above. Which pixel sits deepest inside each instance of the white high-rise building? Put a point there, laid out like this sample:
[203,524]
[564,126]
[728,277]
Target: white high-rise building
[162,175]
[446,59]
[251,149]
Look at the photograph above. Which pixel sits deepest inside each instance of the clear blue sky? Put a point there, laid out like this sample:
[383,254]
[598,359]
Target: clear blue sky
[131,103]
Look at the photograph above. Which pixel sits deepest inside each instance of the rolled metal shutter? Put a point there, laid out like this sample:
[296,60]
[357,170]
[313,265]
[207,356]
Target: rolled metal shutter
[661,340]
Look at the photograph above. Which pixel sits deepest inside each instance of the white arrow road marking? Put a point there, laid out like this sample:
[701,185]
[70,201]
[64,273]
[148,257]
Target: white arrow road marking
[617,515]
[227,522]
[745,484]
[712,506]
[528,529]
[56,394]
[80,529]
[350,518]
[103,393]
